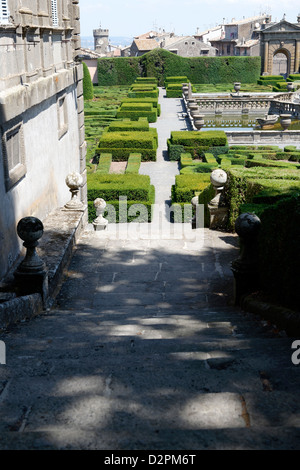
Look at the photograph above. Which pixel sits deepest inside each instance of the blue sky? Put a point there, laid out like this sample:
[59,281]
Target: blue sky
[133,17]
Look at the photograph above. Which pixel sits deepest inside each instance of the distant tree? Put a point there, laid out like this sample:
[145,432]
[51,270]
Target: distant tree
[88,89]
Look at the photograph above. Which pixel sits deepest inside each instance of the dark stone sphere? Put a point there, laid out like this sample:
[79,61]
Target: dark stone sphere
[247,225]
[30,229]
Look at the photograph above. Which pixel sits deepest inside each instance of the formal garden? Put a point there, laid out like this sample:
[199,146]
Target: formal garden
[264,180]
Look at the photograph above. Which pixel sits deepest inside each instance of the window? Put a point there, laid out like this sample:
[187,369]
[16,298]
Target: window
[54,12]
[62,115]
[14,155]
[4,13]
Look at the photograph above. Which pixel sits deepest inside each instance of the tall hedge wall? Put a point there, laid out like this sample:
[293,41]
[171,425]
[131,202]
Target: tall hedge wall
[118,70]
[161,64]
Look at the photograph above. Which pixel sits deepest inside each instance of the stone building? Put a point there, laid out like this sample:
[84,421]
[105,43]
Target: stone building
[101,42]
[280,47]
[41,113]
[239,37]
[185,46]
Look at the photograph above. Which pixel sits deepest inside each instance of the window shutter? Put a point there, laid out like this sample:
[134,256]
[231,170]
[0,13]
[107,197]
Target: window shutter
[4,13]
[54,13]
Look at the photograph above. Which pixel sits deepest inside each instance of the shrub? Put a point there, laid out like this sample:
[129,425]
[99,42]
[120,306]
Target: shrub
[177,79]
[135,115]
[125,216]
[266,185]
[118,70]
[143,94]
[120,154]
[104,163]
[198,139]
[142,125]
[88,89]
[186,186]
[133,164]
[111,187]
[127,139]
[161,64]
[279,240]
[146,80]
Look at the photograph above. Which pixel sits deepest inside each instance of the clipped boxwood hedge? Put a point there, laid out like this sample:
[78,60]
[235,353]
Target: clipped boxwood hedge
[198,139]
[127,139]
[186,186]
[142,125]
[119,213]
[112,187]
[266,185]
[279,254]
[161,64]
[122,154]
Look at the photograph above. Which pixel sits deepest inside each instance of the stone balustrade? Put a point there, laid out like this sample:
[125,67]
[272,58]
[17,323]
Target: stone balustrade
[233,104]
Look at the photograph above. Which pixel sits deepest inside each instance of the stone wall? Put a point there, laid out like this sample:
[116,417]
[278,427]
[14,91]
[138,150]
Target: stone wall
[41,115]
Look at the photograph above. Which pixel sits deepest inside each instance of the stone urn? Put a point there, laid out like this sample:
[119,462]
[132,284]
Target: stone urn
[237,86]
[198,121]
[285,121]
[290,86]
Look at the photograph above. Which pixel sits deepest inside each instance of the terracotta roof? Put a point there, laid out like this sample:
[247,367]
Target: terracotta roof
[89,52]
[146,44]
[246,20]
[250,43]
[149,35]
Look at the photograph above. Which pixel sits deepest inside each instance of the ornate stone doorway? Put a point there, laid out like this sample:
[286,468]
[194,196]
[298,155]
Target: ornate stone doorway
[280,64]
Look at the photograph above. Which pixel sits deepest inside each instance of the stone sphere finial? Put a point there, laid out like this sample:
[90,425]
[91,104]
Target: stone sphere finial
[30,229]
[247,225]
[218,177]
[74,181]
[100,223]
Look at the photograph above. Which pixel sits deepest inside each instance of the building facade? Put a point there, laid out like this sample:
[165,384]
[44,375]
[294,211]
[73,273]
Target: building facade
[239,37]
[280,48]
[41,113]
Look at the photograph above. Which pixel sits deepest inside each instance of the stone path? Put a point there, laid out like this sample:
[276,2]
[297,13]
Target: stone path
[143,351]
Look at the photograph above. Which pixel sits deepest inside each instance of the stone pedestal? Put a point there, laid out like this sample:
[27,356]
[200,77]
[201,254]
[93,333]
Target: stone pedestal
[285,121]
[31,276]
[194,203]
[218,211]
[246,268]
[100,223]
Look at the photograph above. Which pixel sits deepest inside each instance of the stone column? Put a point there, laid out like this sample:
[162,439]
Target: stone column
[297,56]
[266,57]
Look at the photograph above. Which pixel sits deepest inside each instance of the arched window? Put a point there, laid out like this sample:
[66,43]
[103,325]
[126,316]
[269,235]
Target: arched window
[4,13]
[54,12]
